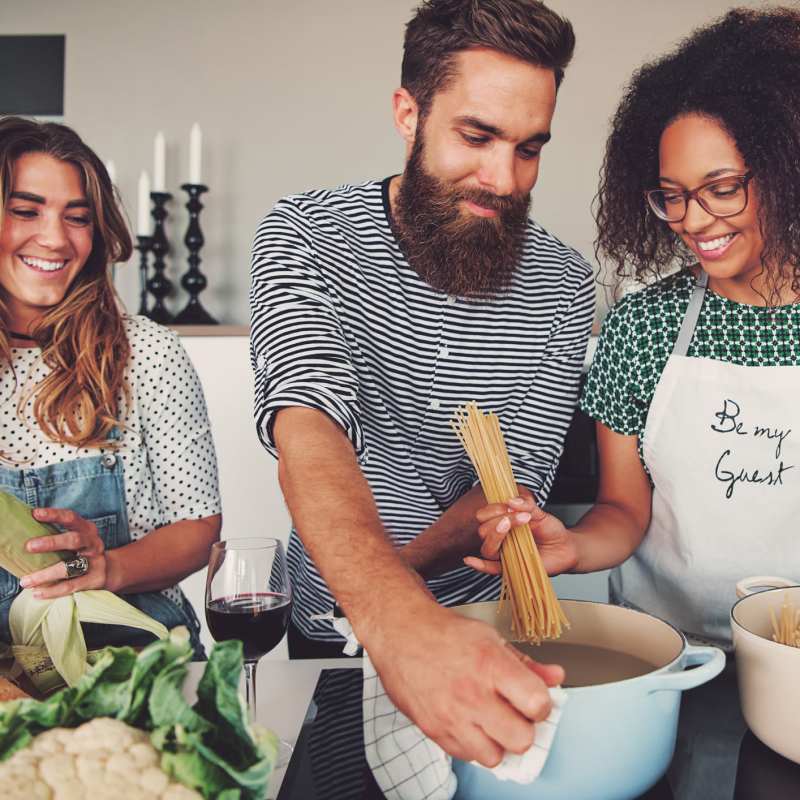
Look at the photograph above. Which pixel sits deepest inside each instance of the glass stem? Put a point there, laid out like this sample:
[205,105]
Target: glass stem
[250,687]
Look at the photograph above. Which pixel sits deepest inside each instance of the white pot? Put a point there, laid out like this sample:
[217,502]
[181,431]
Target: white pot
[768,672]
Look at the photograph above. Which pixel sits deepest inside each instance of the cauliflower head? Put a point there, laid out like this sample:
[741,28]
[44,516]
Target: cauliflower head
[103,758]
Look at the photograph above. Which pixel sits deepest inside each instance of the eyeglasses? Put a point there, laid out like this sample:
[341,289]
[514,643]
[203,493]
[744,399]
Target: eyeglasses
[724,197]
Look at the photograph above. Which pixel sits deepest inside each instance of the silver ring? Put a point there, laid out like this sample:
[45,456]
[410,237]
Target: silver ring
[77,566]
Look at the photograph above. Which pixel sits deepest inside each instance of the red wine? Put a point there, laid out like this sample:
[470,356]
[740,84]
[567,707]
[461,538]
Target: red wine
[258,620]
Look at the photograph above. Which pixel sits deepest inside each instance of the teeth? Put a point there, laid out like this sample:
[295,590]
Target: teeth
[715,244]
[40,263]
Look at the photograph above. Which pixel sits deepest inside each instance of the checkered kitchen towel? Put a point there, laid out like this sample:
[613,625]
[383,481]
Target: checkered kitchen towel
[407,765]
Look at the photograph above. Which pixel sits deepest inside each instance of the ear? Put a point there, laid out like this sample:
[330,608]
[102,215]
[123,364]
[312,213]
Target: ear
[406,115]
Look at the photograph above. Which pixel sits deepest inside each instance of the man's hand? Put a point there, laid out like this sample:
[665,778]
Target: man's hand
[556,544]
[462,683]
[457,679]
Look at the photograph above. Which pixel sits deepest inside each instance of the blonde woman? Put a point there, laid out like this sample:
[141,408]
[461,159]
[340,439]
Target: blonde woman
[103,425]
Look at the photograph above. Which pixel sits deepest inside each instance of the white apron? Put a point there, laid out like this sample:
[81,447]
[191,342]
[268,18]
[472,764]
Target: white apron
[722,443]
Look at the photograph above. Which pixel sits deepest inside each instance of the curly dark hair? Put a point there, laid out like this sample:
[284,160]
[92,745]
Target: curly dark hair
[440,29]
[744,72]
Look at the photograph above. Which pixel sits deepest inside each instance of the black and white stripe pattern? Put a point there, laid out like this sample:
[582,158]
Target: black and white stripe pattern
[341,323]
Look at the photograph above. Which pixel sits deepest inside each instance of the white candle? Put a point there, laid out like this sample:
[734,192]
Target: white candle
[111,169]
[195,150]
[143,219]
[159,163]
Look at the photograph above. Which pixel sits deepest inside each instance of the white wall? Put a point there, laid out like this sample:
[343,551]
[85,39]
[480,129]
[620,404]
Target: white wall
[296,95]
[252,504]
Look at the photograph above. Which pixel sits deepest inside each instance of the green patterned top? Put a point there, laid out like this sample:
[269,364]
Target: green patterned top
[640,331]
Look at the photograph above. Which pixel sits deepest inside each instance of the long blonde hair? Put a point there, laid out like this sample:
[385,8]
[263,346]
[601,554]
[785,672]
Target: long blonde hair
[83,338]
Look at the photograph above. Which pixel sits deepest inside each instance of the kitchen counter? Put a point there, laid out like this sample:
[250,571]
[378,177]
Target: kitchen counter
[328,759]
[211,330]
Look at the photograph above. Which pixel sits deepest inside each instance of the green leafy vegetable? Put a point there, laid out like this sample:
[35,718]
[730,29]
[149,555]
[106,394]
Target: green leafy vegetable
[208,746]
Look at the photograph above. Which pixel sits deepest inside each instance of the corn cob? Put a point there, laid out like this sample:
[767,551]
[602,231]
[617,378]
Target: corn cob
[18,526]
[47,638]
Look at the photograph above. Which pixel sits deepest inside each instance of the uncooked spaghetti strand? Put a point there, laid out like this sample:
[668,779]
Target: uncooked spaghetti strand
[535,610]
[786,625]
[518,576]
[508,486]
[527,567]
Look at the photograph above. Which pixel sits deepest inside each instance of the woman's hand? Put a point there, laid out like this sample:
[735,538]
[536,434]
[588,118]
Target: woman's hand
[555,543]
[79,535]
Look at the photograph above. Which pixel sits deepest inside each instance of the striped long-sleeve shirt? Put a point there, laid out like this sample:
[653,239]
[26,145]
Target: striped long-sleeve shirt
[343,324]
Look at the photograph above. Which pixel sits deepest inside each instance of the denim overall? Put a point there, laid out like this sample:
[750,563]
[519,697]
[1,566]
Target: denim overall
[94,488]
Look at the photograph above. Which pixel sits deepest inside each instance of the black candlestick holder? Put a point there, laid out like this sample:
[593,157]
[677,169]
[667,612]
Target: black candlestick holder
[159,285]
[194,281]
[143,246]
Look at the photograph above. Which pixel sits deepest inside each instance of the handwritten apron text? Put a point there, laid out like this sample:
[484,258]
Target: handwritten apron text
[728,421]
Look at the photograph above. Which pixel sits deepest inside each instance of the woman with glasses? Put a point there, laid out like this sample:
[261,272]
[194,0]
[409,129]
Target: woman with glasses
[696,378]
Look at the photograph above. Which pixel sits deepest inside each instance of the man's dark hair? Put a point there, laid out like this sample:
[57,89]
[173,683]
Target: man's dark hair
[440,29]
[743,71]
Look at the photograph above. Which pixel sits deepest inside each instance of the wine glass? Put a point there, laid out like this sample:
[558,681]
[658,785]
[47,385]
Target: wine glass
[249,597]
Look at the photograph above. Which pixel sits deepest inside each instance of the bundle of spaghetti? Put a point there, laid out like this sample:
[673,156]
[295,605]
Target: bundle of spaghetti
[536,613]
[786,626]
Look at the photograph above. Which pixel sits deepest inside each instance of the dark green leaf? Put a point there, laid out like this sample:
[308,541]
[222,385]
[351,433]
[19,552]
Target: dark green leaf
[218,700]
[208,746]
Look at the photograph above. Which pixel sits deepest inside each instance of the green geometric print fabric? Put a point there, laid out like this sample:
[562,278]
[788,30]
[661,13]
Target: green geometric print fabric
[639,333]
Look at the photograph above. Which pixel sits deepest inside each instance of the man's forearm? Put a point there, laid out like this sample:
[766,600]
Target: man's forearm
[336,517]
[443,545]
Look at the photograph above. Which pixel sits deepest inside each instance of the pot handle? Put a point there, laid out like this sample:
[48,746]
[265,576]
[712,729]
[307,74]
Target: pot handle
[748,586]
[710,661]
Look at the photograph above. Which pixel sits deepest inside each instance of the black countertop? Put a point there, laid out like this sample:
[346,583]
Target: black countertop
[329,761]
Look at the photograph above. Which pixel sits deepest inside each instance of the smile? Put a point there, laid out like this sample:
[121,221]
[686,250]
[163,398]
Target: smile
[42,264]
[715,247]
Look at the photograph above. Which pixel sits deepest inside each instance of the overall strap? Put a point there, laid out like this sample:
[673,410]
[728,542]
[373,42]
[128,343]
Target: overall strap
[692,314]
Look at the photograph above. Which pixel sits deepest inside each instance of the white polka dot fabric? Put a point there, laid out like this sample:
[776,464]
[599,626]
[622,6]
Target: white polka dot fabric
[166,446]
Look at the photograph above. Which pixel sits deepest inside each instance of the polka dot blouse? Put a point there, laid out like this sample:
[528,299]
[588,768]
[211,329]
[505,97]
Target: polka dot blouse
[170,467]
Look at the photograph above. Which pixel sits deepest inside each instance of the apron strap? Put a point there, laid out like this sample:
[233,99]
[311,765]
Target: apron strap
[692,315]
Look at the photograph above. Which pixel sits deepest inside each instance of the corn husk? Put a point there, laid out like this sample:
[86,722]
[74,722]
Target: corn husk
[47,638]
[17,526]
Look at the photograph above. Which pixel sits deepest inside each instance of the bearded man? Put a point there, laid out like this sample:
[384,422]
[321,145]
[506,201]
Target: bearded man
[377,309]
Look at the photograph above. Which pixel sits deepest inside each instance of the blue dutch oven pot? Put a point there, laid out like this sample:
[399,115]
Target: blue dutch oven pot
[615,740]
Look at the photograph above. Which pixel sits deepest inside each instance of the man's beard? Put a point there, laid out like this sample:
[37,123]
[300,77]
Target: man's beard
[451,249]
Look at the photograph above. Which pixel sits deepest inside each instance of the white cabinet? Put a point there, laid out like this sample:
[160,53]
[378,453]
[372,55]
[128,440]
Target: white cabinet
[252,504]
